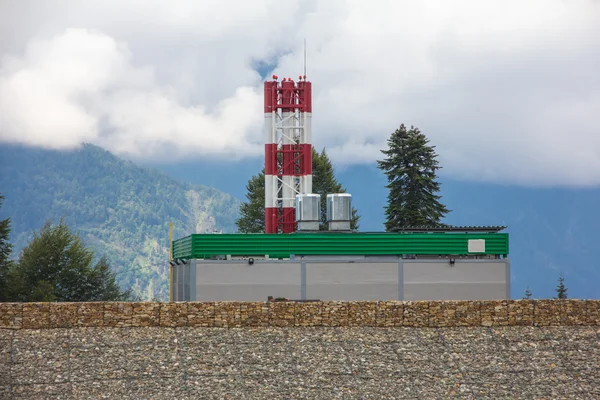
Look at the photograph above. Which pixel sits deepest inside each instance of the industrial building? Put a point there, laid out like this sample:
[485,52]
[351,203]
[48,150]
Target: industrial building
[294,260]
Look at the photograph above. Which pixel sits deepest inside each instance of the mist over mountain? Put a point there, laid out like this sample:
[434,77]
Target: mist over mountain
[120,209]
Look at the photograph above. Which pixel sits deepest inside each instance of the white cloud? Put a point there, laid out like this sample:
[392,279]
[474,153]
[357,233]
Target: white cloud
[507,91]
[81,86]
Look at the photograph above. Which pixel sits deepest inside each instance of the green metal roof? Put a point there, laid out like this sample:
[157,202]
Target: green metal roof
[332,243]
[451,228]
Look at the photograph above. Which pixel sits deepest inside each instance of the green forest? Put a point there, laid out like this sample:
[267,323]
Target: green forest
[122,211]
[119,209]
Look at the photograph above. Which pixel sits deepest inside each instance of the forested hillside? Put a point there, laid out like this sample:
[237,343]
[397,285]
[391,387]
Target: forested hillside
[121,210]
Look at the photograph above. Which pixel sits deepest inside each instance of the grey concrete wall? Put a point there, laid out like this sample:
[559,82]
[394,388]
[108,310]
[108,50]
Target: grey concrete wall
[182,282]
[464,280]
[349,280]
[352,281]
[240,281]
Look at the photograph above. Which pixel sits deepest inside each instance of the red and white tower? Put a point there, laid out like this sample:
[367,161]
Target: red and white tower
[288,150]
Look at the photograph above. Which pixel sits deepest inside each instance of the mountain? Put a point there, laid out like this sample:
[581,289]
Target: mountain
[124,211]
[120,209]
[552,230]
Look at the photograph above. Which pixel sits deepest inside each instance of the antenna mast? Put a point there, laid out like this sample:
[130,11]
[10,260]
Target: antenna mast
[304,58]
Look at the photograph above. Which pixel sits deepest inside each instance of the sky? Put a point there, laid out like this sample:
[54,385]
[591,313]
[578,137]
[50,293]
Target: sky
[508,91]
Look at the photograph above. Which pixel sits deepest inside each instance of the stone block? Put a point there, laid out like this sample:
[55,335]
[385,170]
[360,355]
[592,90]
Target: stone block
[454,313]
[201,315]
[437,311]
[145,314]
[468,313]
[334,313]
[520,312]
[494,312]
[255,314]
[228,314]
[62,315]
[90,314]
[362,313]
[593,312]
[416,314]
[389,314]
[573,312]
[309,314]
[282,313]
[174,314]
[547,313]
[118,314]
[11,315]
[36,315]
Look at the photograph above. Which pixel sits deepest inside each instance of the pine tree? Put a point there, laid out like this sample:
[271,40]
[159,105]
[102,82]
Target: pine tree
[410,166]
[252,212]
[527,293]
[56,266]
[103,285]
[561,290]
[5,252]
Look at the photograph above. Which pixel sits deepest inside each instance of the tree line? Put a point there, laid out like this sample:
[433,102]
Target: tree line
[411,167]
[561,290]
[55,266]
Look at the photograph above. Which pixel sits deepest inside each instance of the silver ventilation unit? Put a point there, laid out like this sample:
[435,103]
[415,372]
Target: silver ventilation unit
[339,211]
[308,211]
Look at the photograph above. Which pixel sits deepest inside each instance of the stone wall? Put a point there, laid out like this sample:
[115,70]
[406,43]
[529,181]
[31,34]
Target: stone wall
[302,314]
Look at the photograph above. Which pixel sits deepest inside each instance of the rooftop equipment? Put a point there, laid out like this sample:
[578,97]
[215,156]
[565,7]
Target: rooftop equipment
[308,211]
[339,211]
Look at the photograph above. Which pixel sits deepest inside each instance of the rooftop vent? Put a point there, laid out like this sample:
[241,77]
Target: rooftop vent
[339,211]
[308,211]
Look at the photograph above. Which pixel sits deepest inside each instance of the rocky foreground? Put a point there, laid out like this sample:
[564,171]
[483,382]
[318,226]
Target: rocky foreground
[511,362]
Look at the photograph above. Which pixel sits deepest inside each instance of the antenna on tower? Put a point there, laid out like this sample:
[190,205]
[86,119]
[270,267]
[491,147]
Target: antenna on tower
[305,58]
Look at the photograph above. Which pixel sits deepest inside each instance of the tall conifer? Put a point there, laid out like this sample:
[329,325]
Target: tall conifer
[411,166]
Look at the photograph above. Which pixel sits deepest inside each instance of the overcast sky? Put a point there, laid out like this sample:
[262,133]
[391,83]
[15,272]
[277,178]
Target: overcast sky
[507,90]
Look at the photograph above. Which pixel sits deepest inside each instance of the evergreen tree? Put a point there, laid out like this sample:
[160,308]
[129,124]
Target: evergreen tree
[5,252]
[102,283]
[56,266]
[561,290]
[410,166]
[527,293]
[252,212]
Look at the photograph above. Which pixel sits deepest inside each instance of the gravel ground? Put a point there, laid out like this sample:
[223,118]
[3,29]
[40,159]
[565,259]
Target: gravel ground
[301,363]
